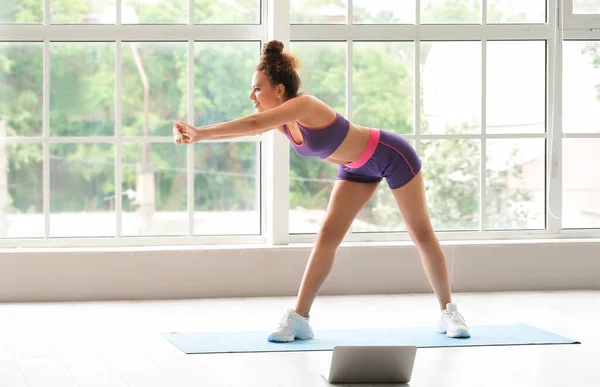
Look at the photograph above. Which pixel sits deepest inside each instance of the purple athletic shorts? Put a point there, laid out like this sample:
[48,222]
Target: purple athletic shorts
[387,155]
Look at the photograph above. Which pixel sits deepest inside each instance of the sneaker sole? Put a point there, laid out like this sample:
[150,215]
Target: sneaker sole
[459,334]
[308,337]
[285,339]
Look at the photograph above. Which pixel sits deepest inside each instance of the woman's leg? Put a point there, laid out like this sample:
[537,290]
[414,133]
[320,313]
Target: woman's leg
[346,201]
[411,201]
[413,206]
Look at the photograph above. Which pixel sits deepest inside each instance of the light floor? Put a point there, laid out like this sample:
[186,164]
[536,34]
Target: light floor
[119,344]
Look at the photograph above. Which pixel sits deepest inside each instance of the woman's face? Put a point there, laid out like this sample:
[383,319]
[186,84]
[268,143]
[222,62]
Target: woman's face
[263,94]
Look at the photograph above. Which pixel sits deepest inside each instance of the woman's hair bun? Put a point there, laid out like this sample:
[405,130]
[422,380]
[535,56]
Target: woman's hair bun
[273,47]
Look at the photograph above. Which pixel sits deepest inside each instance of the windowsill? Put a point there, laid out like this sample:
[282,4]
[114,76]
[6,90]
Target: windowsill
[295,245]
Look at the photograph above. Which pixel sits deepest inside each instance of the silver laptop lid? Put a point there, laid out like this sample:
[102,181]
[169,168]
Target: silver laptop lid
[372,364]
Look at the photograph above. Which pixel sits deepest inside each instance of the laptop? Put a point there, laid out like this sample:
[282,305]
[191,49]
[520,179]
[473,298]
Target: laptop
[371,364]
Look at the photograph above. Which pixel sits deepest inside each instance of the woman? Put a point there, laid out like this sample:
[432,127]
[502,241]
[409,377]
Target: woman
[364,157]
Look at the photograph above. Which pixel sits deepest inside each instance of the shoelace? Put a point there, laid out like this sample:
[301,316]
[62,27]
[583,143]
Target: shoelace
[286,321]
[456,317]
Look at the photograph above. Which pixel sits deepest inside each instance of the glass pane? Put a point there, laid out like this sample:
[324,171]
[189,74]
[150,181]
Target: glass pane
[380,214]
[311,183]
[227,188]
[21,202]
[21,97]
[515,184]
[451,171]
[12,11]
[581,183]
[516,87]
[83,11]
[155,87]
[383,85]
[323,71]
[226,175]
[82,94]
[451,87]
[154,190]
[516,11]
[384,12]
[154,12]
[227,11]
[222,80]
[323,74]
[318,11]
[586,6]
[82,190]
[581,87]
[450,11]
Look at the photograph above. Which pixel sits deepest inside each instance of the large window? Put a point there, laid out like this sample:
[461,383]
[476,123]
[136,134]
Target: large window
[581,141]
[500,99]
[86,112]
[481,121]
[580,119]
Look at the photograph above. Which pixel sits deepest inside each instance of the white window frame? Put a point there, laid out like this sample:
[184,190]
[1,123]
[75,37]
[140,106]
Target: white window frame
[274,150]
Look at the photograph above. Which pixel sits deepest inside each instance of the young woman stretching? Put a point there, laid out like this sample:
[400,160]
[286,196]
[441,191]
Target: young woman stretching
[364,157]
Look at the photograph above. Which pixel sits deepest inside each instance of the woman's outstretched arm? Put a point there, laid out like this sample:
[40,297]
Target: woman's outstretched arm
[292,110]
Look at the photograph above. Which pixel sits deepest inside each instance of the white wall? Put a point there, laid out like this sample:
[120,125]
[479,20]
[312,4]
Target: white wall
[198,272]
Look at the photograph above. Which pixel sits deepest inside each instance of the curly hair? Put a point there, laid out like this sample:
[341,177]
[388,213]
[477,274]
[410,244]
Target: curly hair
[280,68]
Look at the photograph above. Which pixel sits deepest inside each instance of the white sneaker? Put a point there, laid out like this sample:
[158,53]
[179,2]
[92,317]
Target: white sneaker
[292,326]
[452,323]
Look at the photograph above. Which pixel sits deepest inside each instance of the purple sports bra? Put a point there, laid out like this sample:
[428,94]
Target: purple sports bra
[320,142]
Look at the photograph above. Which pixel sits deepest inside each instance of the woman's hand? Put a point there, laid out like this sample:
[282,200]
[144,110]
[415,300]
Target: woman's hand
[177,135]
[185,133]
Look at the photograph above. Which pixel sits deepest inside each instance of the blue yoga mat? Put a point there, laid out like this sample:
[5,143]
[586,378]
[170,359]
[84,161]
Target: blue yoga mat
[325,340]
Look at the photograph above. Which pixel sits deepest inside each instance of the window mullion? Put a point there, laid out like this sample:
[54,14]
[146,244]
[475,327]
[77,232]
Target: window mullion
[554,125]
[417,80]
[483,144]
[46,123]
[118,6]
[48,14]
[118,138]
[190,150]
[46,135]
[277,165]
